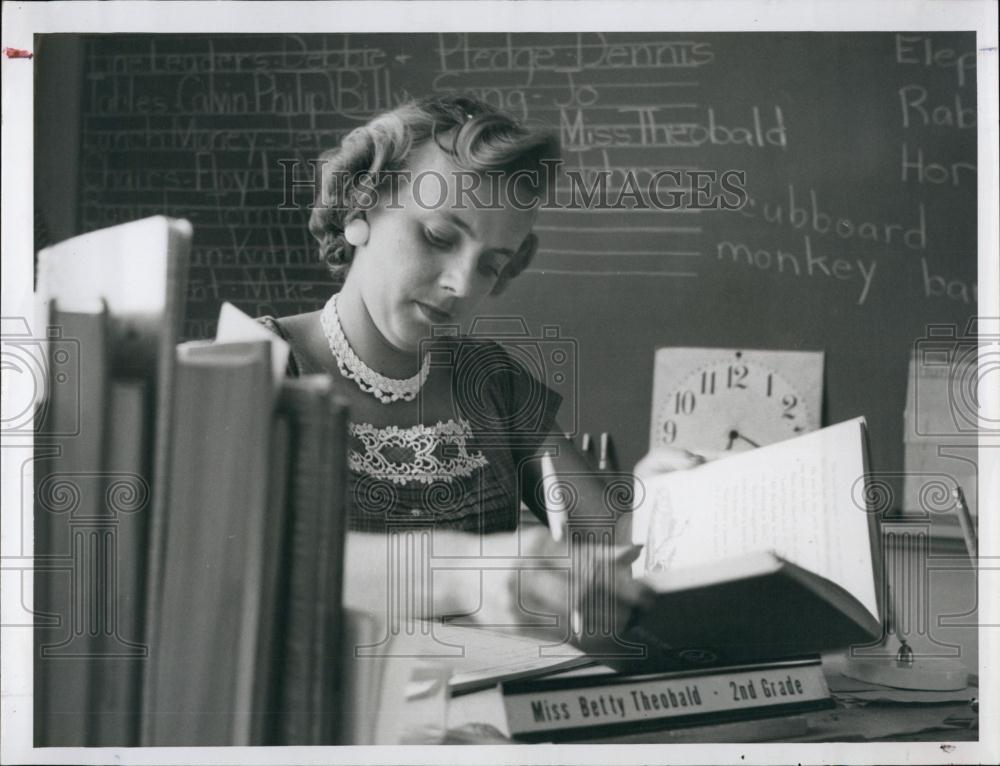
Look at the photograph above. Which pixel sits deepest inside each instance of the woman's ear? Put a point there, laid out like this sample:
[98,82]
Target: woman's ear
[521,260]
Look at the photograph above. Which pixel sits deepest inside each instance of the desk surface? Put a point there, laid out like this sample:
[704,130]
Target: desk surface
[935,604]
[936,609]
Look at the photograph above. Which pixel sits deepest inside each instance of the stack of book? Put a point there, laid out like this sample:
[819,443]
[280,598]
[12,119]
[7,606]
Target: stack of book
[190,516]
[113,304]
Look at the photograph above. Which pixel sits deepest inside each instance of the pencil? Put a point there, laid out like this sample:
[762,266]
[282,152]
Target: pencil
[966,523]
[554,510]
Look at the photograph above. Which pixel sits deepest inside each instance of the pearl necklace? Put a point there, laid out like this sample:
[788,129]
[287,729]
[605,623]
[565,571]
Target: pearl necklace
[384,389]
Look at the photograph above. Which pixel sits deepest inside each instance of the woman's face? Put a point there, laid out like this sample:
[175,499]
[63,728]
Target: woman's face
[427,262]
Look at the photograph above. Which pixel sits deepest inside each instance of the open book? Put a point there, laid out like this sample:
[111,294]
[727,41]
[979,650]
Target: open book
[763,555]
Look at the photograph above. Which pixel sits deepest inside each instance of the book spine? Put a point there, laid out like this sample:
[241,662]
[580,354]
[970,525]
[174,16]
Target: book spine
[334,520]
[164,393]
[116,672]
[298,670]
[551,711]
[71,524]
[311,667]
[209,595]
[254,564]
[274,566]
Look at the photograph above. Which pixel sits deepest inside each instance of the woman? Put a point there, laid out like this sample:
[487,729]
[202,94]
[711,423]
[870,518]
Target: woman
[425,214]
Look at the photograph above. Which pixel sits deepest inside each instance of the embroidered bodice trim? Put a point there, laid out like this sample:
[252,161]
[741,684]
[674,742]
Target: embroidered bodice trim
[439,452]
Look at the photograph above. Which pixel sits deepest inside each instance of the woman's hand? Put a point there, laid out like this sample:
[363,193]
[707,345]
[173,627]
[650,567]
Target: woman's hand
[582,581]
[666,459]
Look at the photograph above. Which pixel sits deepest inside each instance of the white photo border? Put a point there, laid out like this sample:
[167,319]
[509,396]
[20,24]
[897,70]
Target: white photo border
[23,20]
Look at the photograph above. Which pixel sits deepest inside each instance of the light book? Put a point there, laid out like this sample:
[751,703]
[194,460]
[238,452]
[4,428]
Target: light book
[210,574]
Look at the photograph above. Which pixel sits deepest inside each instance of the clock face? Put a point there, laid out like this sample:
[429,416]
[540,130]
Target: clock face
[732,401]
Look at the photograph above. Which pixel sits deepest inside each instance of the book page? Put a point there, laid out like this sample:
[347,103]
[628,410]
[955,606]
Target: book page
[801,499]
[492,656]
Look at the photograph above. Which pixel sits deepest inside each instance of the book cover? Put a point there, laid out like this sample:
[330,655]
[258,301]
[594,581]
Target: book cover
[203,649]
[139,270]
[116,672]
[70,520]
[311,685]
[265,716]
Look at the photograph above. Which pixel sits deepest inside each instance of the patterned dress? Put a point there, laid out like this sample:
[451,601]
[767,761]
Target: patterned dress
[464,472]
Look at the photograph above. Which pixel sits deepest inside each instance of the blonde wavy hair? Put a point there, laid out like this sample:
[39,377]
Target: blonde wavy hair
[474,134]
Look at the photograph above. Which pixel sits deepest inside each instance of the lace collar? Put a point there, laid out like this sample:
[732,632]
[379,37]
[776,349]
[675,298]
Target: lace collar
[352,367]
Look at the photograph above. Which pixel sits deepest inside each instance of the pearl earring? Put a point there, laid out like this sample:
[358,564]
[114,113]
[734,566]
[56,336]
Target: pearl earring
[356,232]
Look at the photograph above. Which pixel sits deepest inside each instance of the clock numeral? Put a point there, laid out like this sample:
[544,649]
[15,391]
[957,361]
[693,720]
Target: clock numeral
[669,432]
[684,403]
[770,382]
[708,382]
[736,376]
[789,402]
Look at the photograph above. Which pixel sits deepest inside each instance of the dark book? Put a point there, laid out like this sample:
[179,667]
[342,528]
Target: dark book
[204,646]
[116,670]
[310,689]
[265,715]
[767,554]
[71,521]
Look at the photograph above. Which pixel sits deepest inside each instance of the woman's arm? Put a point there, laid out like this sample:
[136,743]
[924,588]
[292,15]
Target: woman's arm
[395,570]
[521,571]
[589,567]
[584,497]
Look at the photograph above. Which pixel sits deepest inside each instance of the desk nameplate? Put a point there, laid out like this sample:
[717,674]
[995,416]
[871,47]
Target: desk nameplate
[565,708]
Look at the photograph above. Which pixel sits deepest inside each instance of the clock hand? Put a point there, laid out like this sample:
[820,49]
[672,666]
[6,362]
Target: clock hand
[734,435]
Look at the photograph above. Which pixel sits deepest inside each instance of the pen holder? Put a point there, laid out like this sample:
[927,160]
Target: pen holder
[892,662]
[935,674]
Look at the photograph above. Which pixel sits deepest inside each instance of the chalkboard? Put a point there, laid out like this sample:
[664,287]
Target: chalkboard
[859,154]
